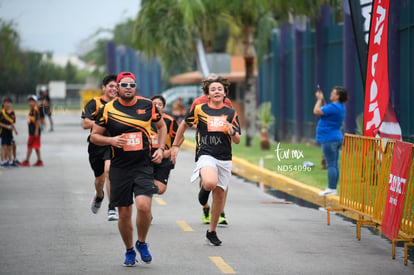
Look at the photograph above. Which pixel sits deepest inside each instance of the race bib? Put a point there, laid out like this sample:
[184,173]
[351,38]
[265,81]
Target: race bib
[134,141]
[154,141]
[216,124]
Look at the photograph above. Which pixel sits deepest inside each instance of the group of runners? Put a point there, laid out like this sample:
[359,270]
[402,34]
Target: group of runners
[133,146]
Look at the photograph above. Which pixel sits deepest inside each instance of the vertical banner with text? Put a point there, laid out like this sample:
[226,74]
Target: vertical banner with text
[397,184]
[377,82]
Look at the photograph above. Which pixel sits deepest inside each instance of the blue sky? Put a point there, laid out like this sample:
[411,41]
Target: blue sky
[61,25]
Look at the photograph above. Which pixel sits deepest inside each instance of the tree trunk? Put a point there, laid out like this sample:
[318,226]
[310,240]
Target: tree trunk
[250,87]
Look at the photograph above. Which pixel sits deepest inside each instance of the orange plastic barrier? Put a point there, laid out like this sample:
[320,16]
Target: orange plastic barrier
[363,186]
[359,175]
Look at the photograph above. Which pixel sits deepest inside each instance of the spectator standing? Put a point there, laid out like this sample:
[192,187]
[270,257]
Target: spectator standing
[7,121]
[34,133]
[329,133]
[45,108]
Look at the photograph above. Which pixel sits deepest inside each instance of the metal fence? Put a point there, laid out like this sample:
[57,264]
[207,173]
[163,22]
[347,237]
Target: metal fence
[299,59]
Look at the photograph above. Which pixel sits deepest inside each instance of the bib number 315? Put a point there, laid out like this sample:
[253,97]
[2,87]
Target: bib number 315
[134,141]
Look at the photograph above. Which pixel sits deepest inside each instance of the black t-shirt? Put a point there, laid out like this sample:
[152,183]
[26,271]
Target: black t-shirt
[212,137]
[172,127]
[134,122]
[8,118]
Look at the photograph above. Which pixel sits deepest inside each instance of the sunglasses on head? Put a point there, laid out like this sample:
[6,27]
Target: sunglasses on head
[125,84]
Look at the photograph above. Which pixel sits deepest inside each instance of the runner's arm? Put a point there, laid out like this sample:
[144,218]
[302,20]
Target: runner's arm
[162,135]
[98,138]
[87,123]
[179,139]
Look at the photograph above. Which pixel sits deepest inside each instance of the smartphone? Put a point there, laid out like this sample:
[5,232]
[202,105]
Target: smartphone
[318,88]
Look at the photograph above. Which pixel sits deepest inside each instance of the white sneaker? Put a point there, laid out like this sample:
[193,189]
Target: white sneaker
[112,215]
[328,191]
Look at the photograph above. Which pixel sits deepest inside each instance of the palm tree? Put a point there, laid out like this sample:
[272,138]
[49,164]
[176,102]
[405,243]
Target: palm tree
[249,19]
[168,29]
[160,31]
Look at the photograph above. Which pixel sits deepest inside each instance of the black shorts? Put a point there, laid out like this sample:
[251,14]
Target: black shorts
[97,165]
[7,140]
[127,183]
[44,111]
[97,157]
[162,170]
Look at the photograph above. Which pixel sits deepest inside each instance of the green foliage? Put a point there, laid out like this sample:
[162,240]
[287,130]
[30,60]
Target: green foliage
[21,71]
[265,118]
[11,59]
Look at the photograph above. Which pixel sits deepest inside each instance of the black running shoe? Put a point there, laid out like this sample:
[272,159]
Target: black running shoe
[212,238]
[222,219]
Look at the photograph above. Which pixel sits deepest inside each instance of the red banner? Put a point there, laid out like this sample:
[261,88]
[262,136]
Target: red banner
[397,184]
[377,82]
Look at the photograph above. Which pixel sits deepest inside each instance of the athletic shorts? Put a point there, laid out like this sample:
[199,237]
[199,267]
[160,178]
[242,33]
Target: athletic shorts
[223,168]
[127,183]
[34,142]
[97,160]
[97,165]
[162,170]
[6,140]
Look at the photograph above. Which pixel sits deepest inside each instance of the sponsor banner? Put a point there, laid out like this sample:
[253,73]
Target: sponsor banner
[377,82]
[397,185]
[360,11]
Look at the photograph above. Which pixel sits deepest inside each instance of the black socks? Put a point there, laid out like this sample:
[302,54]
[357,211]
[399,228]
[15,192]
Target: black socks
[203,196]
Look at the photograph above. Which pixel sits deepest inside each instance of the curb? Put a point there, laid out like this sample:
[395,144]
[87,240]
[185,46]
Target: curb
[282,183]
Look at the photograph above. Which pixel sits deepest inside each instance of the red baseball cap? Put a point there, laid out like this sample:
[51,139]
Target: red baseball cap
[7,99]
[124,75]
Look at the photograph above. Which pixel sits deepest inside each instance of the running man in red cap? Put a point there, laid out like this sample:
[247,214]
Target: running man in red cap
[128,121]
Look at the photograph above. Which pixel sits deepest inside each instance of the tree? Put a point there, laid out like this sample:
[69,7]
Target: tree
[160,31]
[169,29]
[11,64]
[249,19]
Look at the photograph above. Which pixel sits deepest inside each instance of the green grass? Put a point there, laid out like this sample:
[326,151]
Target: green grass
[288,160]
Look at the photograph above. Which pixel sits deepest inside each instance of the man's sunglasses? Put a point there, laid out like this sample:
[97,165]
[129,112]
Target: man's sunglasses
[125,84]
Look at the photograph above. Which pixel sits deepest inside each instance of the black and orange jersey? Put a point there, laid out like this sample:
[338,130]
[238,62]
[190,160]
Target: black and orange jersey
[7,118]
[134,123]
[172,127]
[91,111]
[34,117]
[212,136]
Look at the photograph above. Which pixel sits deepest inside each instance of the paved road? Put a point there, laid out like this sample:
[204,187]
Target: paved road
[46,226]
